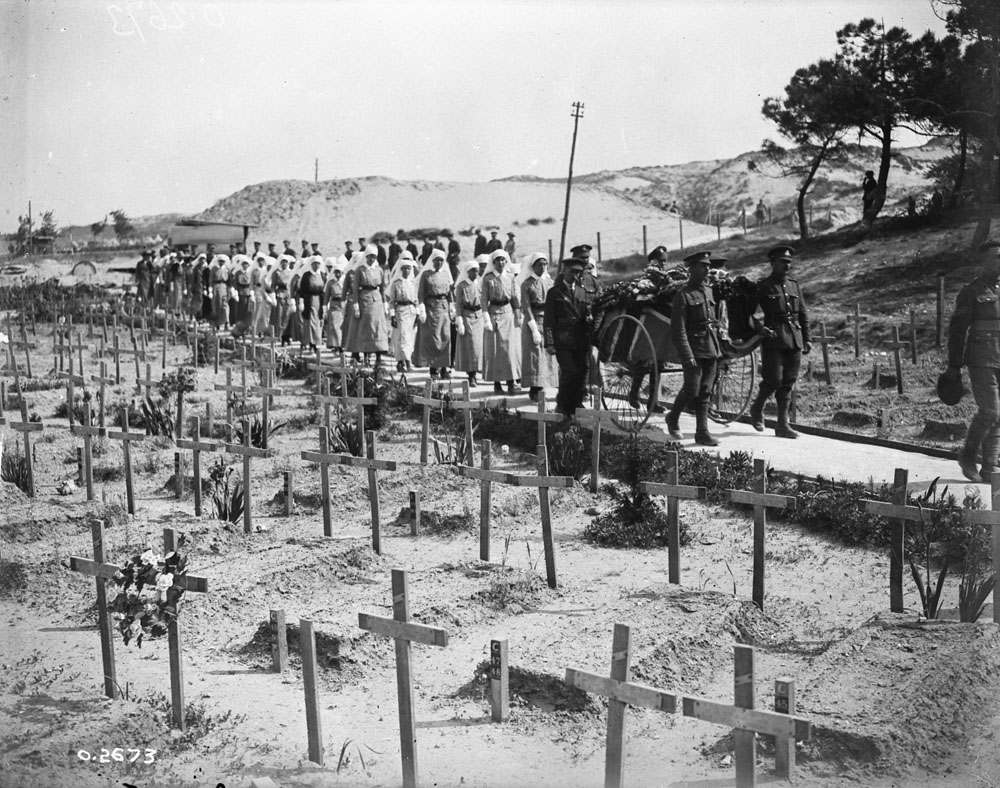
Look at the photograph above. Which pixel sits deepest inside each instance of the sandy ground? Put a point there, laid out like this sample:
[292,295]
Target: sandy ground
[893,702]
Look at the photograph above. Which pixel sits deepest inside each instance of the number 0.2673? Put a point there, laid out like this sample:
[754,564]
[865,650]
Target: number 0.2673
[119,755]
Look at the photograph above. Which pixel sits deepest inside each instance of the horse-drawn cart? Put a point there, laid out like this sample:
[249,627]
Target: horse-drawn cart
[636,355]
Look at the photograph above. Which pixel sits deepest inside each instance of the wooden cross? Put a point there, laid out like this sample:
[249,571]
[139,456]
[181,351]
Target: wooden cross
[117,352]
[321,368]
[913,337]
[761,501]
[824,341]
[71,381]
[266,392]
[542,481]
[898,513]
[310,682]
[373,466]
[595,418]
[742,716]
[145,383]
[26,346]
[327,401]
[126,438]
[102,571]
[673,491]
[403,633]
[104,381]
[136,353]
[246,451]
[163,348]
[61,344]
[323,458]
[88,431]
[895,346]
[359,401]
[541,418]
[26,427]
[230,389]
[466,404]
[271,367]
[486,477]
[992,519]
[197,446]
[79,347]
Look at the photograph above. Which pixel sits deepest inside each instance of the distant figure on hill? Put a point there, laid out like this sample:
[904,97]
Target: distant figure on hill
[761,213]
[674,209]
[410,247]
[480,247]
[510,246]
[348,250]
[868,189]
[937,205]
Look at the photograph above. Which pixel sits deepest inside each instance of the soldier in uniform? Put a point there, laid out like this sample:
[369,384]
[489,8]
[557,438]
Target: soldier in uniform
[694,330]
[785,328]
[567,336]
[974,342]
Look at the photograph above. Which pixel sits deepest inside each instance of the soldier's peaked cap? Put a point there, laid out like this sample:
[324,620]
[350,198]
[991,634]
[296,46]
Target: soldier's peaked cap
[574,263]
[659,253]
[581,248]
[698,257]
[781,253]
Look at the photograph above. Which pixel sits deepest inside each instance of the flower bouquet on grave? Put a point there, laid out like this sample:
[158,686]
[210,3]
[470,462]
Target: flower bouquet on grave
[147,600]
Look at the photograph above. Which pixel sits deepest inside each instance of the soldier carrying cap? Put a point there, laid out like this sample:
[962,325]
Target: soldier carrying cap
[785,328]
[974,342]
[694,330]
[566,337]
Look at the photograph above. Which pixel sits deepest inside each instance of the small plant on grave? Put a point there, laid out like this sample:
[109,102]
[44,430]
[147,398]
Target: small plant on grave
[62,411]
[568,454]
[977,582]
[372,385]
[344,438]
[292,366]
[180,382]
[227,492]
[509,587]
[932,542]
[256,432]
[450,451]
[205,346]
[634,518]
[14,468]
[147,601]
[157,418]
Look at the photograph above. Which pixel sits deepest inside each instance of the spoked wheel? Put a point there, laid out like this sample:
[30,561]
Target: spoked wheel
[618,379]
[734,385]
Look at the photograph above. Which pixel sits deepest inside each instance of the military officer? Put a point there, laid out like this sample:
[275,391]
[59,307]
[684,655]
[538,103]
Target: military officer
[785,328]
[694,330]
[974,342]
[567,332]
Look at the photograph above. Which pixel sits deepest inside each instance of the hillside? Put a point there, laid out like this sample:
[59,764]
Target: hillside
[615,204]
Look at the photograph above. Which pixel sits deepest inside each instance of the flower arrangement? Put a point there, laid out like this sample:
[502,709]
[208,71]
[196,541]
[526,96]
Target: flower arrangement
[147,599]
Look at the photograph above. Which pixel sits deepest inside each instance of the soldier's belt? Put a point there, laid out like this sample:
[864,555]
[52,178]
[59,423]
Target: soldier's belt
[780,319]
[985,325]
[500,302]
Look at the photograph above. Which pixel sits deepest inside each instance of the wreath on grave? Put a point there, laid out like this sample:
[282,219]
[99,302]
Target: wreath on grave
[147,600]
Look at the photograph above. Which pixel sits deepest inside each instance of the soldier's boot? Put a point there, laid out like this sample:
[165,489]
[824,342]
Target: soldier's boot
[497,387]
[757,408]
[674,415]
[784,429]
[990,449]
[633,392]
[512,389]
[702,436]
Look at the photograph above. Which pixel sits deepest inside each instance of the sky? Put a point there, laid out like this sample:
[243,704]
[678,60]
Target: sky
[162,107]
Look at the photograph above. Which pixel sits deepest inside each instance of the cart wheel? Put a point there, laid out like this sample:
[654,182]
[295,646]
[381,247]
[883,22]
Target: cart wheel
[617,378]
[733,390]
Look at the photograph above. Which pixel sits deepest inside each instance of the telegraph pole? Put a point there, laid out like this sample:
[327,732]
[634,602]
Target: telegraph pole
[576,115]
[316,175]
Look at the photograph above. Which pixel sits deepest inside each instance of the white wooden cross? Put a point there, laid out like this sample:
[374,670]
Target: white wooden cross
[246,451]
[673,491]
[742,716]
[197,446]
[126,438]
[26,427]
[102,571]
[404,632]
[992,519]
[898,513]
[104,382]
[89,432]
[761,500]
